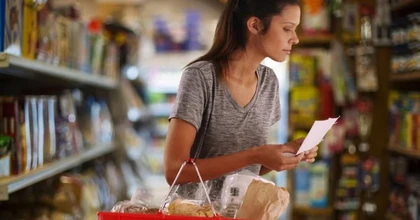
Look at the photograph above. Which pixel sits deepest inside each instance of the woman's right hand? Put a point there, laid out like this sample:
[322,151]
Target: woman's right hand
[278,157]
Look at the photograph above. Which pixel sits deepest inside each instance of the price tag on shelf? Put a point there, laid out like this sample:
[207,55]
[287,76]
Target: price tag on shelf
[4,194]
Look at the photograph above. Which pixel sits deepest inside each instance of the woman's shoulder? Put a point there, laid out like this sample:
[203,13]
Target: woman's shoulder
[205,68]
[201,65]
[266,72]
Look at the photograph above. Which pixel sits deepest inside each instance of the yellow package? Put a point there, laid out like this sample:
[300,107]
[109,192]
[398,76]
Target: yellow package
[304,105]
[30,30]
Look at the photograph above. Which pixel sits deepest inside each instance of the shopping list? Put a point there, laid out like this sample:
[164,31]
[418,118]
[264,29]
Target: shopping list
[317,132]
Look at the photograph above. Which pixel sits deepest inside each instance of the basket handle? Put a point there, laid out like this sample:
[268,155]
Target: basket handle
[189,161]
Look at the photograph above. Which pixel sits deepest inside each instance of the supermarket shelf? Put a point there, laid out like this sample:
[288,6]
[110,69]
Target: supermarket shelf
[12,184]
[405,4]
[321,39]
[409,153]
[313,211]
[405,76]
[25,68]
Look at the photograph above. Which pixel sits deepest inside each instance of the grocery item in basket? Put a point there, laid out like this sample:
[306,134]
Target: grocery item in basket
[129,207]
[139,203]
[263,201]
[234,188]
[185,207]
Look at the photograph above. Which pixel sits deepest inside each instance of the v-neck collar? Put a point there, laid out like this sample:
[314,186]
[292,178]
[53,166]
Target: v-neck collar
[251,103]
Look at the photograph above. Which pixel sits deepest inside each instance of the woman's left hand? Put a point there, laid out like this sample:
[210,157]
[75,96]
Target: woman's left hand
[309,156]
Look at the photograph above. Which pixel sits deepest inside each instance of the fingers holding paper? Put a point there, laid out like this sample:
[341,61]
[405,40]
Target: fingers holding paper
[274,157]
[309,156]
[294,146]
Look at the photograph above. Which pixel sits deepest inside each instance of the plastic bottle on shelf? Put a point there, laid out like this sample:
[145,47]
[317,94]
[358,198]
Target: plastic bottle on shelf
[365,26]
[106,126]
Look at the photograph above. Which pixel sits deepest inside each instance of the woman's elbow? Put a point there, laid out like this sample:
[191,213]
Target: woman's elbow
[170,171]
[169,176]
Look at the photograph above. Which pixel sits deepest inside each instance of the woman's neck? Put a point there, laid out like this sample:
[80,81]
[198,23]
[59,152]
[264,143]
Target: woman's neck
[243,65]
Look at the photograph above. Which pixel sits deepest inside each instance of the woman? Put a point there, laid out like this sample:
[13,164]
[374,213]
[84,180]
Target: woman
[227,101]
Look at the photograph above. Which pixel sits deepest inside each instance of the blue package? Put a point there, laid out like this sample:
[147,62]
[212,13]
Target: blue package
[193,19]
[302,184]
[2,22]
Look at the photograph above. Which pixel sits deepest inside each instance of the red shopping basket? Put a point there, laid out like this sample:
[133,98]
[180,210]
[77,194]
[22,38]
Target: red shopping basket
[159,215]
[131,216]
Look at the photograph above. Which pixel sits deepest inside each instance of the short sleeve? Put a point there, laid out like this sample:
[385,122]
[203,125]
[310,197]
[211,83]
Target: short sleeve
[275,111]
[191,97]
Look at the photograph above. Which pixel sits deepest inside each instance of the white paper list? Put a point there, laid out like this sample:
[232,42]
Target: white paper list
[317,132]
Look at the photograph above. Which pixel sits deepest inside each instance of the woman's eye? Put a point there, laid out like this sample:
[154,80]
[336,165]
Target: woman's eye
[287,29]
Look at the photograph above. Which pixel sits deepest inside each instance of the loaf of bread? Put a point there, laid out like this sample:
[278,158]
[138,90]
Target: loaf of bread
[189,208]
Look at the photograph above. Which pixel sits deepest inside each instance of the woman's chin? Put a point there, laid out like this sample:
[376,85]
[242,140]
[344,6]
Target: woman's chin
[279,58]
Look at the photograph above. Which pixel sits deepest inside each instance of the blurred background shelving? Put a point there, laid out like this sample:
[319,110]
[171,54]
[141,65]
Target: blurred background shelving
[105,74]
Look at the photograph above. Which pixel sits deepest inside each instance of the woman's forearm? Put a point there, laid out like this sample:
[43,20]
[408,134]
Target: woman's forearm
[264,170]
[212,168]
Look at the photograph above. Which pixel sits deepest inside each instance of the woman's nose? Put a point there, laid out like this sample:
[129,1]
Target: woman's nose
[294,40]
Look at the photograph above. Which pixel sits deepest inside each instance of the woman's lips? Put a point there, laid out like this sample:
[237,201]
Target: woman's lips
[287,51]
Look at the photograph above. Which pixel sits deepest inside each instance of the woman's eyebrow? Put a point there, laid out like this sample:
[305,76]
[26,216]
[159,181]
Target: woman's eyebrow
[288,22]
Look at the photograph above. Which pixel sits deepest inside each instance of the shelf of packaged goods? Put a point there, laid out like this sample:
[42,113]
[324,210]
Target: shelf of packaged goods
[300,210]
[24,68]
[405,4]
[12,184]
[406,152]
[319,39]
[406,76]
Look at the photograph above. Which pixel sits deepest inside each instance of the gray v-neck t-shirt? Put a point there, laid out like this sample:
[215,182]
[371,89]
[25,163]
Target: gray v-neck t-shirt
[231,127]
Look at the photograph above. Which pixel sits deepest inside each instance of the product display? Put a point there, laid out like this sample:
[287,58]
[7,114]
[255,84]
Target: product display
[316,18]
[58,36]
[404,120]
[73,195]
[47,128]
[405,185]
[406,38]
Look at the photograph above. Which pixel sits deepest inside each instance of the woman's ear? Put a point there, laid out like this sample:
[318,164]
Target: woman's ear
[254,25]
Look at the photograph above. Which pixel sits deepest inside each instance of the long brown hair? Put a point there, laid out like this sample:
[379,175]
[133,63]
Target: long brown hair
[231,30]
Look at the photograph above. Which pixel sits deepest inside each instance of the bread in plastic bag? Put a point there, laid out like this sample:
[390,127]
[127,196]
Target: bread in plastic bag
[186,207]
[139,203]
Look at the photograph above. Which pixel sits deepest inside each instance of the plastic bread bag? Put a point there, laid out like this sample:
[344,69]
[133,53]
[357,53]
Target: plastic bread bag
[234,188]
[187,203]
[185,207]
[139,203]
